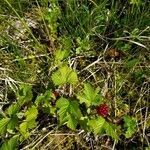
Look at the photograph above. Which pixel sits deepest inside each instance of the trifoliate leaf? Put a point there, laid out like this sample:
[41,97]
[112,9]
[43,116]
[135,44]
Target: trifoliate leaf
[90,96]
[69,112]
[31,115]
[64,75]
[97,125]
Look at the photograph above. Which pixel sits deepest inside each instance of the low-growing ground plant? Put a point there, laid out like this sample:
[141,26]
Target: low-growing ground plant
[19,119]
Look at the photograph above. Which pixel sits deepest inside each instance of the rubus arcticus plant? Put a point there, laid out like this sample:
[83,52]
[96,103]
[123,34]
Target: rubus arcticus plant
[19,119]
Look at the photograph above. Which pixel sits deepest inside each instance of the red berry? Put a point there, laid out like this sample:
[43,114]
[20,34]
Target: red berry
[103,110]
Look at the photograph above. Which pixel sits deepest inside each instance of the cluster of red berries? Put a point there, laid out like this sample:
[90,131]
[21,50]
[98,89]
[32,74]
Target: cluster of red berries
[103,110]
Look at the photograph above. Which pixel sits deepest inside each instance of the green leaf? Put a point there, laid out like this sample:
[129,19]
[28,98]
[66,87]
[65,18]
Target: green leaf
[24,94]
[58,78]
[66,43]
[74,109]
[72,122]
[64,75]
[11,144]
[69,112]
[3,125]
[83,45]
[111,130]
[72,77]
[130,126]
[23,129]
[89,96]
[12,123]
[84,123]
[131,63]
[60,55]
[130,131]
[100,125]
[97,125]
[13,109]
[29,122]
[39,100]
[63,105]
[62,102]
[147,148]
[45,99]
[31,113]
